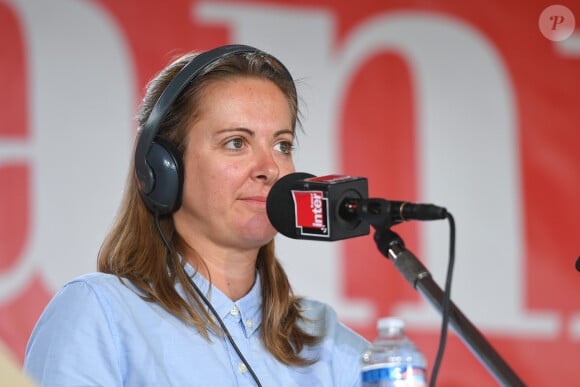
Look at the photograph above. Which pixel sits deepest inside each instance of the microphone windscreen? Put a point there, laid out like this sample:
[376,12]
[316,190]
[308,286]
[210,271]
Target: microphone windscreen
[280,204]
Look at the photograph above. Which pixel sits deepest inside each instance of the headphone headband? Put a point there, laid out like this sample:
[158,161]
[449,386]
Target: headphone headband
[149,130]
[158,164]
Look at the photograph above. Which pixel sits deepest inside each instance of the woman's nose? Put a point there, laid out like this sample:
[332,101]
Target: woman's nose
[266,168]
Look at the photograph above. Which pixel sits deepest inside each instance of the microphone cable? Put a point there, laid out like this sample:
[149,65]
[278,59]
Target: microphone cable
[210,306]
[446,301]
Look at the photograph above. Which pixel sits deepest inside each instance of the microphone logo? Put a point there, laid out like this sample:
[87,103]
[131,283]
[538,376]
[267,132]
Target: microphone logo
[311,213]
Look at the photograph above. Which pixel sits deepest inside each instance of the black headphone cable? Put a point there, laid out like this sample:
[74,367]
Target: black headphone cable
[210,306]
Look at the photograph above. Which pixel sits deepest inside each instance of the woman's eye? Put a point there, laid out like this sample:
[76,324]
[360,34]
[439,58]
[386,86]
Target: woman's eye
[285,147]
[235,143]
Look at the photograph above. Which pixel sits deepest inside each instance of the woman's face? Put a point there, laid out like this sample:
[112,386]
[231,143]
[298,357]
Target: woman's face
[239,145]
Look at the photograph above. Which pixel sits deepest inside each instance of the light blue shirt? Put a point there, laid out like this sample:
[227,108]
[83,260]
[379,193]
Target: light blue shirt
[97,331]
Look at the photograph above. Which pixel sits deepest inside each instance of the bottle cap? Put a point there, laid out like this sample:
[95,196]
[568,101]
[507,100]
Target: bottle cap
[390,323]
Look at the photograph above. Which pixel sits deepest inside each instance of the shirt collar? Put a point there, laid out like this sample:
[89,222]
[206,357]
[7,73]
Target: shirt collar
[247,309]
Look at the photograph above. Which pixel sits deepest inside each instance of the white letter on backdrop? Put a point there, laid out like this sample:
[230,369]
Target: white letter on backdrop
[467,147]
[81,107]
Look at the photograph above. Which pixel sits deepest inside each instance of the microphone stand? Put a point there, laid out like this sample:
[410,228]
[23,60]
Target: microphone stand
[393,248]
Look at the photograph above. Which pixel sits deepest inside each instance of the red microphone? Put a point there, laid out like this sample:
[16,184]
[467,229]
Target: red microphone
[302,206]
[334,207]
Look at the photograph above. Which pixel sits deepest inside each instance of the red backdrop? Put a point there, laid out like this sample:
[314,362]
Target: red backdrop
[378,124]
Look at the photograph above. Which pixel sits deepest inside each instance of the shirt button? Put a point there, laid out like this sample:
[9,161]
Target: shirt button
[242,368]
[249,323]
[234,311]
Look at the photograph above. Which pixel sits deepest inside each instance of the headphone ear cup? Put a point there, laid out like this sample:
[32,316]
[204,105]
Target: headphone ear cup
[166,162]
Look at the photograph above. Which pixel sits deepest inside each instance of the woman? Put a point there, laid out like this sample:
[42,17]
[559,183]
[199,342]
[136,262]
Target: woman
[189,291]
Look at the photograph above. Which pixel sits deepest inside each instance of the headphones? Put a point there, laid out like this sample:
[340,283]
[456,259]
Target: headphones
[158,163]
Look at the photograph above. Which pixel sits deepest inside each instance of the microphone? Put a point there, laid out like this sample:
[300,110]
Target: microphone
[335,207]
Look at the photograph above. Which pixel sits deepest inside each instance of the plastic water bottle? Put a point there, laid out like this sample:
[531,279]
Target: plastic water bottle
[392,360]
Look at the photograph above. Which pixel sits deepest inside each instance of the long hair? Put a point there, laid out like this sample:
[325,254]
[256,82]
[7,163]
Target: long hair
[133,249]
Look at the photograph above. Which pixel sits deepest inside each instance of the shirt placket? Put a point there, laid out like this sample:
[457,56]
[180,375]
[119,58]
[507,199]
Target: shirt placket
[235,326]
